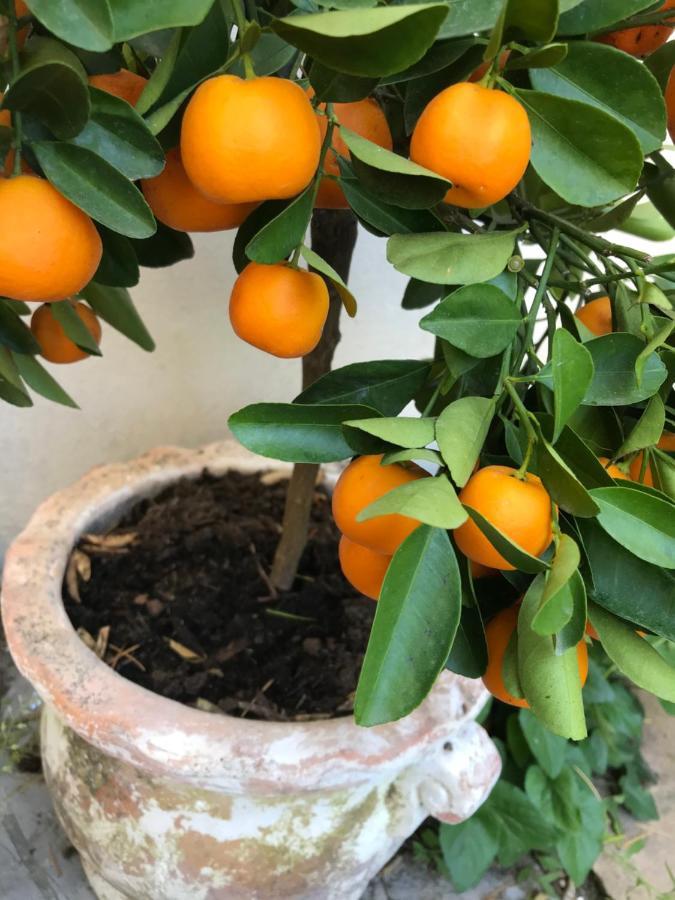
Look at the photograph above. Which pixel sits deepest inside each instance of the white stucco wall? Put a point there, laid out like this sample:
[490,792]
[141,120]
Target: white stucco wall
[184,392]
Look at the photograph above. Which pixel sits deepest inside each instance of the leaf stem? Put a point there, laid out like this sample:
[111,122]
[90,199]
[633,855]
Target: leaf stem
[538,297]
[524,417]
[242,23]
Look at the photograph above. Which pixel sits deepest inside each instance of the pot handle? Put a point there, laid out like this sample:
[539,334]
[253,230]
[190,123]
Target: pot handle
[457,779]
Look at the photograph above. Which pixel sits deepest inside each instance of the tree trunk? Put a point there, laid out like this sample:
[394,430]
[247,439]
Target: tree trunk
[333,238]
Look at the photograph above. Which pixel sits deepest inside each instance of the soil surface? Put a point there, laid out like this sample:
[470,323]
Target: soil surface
[177,599]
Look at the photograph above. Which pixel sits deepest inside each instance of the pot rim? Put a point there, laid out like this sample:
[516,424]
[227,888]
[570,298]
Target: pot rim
[133,723]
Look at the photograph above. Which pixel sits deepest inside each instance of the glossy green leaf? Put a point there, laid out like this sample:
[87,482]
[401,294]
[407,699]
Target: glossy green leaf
[431,500]
[316,262]
[386,385]
[561,483]
[164,248]
[640,522]
[404,431]
[400,180]
[384,217]
[533,20]
[415,453]
[551,682]
[465,17]
[478,319]
[131,18]
[584,154]
[159,78]
[469,848]
[82,23]
[612,81]
[648,429]
[645,355]
[439,56]
[415,623]
[539,58]
[461,430]
[448,258]
[119,135]
[556,604]
[511,552]
[338,87]
[119,264]
[52,86]
[468,655]
[572,368]
[574,630]
[661,62]
[548,749]
[647,222]
[296,432]
[12,388]
[14,333]
[370,42]
[74,327]
[509,669]
[419,294]
[589,15]
[39,379]
[96,187]
[633,655]
[114,306]
[279,237]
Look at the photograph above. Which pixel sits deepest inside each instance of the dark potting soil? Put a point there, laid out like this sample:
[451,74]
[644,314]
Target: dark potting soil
[177,599]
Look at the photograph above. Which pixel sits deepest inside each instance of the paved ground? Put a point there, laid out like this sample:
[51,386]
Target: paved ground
[37,863]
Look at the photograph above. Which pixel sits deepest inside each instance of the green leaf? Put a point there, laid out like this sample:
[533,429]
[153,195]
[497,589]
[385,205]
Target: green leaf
[448,258]
[119,265]
[461,430]
[465,17]
[281,235]
[572,367]
[468,849]
[478,319]
[96,187]
[612,81]
[633,655]
[551,682]
[640,522]
[119,135]
[419,294]
[626,585]
[593,16]
[539,58]
[114,306]
[661,62]
[82,23]
[371,42]
[548,749]
[74,327]
[647,352]
[52,86]
[14,333]
[431,500]
[439,56]
[132,19]
[639,802]
[521,824]
[646,221]
[163,248]
[12,388]
[577,454]
[338,87]
[295,432]
[316,262]
[386,385]
[648,429]
[159,78]
[401,181]
[556,603]
[585,155]
[574,630]
[39,379]
[533,20]
[415,623]
[403,431]
[385,218]
[469,651]
[511,552]
[561,482]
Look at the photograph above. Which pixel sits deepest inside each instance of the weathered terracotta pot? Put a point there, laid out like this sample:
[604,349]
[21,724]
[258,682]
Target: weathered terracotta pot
[165,802]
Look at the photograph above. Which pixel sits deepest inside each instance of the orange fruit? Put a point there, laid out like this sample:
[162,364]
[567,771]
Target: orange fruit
[362,482]
[55,345]
[640,41]
[176,202]
[670,103]
[279,309]
[366,118]
[519,508]
[477,138]
[50,249]
[596,315]
[498,633]
[666,442]
[613,469]
[363,568]
[123,84]
[246,141]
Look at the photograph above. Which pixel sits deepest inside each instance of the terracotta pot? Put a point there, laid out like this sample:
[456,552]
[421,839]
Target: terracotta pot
[165,802]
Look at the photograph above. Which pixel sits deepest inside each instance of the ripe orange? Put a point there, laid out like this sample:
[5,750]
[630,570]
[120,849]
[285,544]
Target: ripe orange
[640,41]
[366,118]
[55,346]
[666,442]
[520,509]
[670,103]
[50,249]
[613,469]
[498,633]
[363,568]
[362,482]
[596,315]
[279,309]
[476,137]
[123,84]
[176,202]
[246,141]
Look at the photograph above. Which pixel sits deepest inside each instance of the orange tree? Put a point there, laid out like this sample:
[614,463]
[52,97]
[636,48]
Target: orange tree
[494,144]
